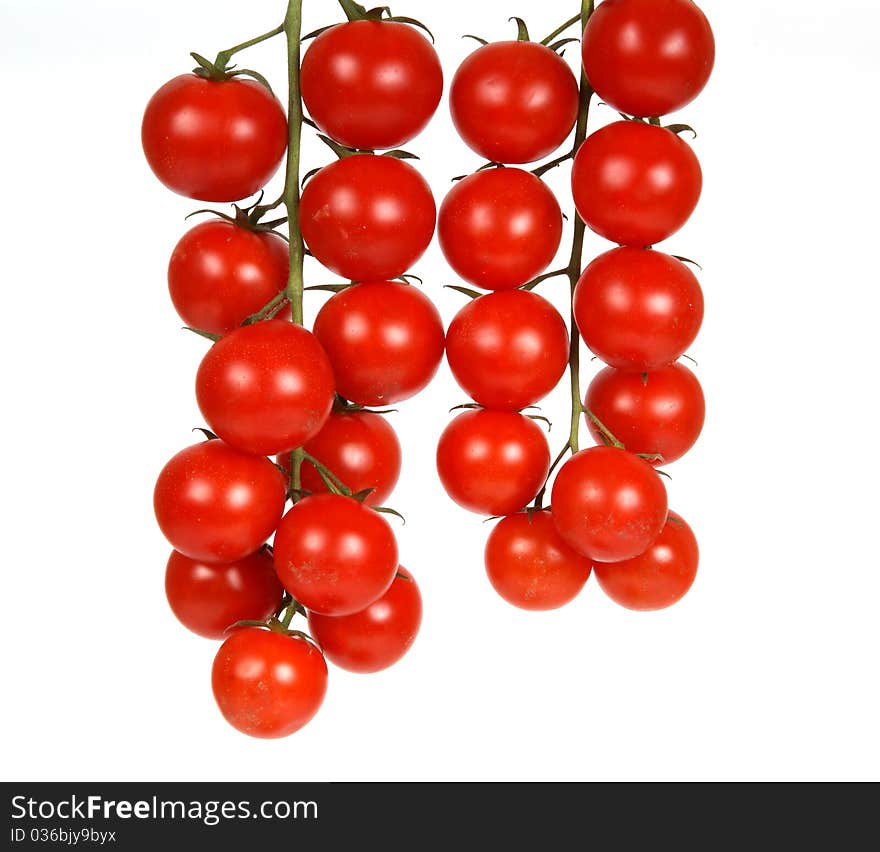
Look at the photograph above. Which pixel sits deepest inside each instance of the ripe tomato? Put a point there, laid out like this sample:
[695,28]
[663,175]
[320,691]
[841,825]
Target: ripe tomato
[265,388]
[634,183]
[662,413]
[267,684]
[215,141]
[376,637]
[638,309]
[492,462]
[648,57]
[371,84]
[359,447]
[219,274]
[530,565]
[507,350]
[217,504]
[334,555]
[208,598]
[514,101]
[367,217]
[660,576]
[608,504]
[500,228]
[384,340]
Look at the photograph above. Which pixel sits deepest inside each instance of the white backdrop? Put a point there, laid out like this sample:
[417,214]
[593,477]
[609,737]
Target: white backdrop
[767,670]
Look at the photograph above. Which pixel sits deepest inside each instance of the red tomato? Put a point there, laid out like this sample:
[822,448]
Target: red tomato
[514,101]
[530,565]
[661,413]
[492,462]
[384,340]
[266,388]
[367,217]
[335,555]
[359,447]
[217,504]
[220,274]
[660,576]
[208,598]
[648,57]
[608,504]
[638,309]
[267,684]
[371,84]
[215,141]
[507,350]
[634,183]
[376,637]
[499,228]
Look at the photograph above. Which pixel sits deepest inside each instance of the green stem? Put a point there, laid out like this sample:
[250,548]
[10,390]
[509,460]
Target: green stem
[559,30]
[292,28]
[577,253]
[224,56]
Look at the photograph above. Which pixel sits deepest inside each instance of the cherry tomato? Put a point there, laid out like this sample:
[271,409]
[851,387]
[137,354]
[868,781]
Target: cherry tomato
[492,462]
[608,504]
[660,576]
[267,684]
[208,598]
[220,274]
[371,84]
[530,565]
[376,637]
[217,504]
[266,388]
[638,309]
[648,57]
[514,101]
[499,228]
[360,447]
[215,141]
[634,183]
[384,340]
[507,350]
[367,217]
[335,555]
[662,412]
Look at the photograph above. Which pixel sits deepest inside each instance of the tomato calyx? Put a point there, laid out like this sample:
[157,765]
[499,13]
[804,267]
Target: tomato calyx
[343,406]
[654,121]
[522,34]
[248,218]
[356,12]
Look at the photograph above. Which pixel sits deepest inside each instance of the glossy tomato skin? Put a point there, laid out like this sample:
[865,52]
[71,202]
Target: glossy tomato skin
[492,462]
[367,217]
[529,564]
[662,412]
[507,350]
[214,141]
[266,388]
[634,183]
[371,84]
[335,555]
[219,274]
[659,577]
[384,340]
[499,228]
[513,101]
[608,504]
[376,637]
[638,309]
[648,57]
[209,598]
[267,684]
[217,504]
[361,448]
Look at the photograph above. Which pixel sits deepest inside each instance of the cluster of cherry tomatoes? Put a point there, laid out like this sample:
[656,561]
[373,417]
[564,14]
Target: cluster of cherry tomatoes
[635,182]
[287,408]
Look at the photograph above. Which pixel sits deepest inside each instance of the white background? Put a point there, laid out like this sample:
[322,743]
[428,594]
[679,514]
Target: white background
[767,670]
